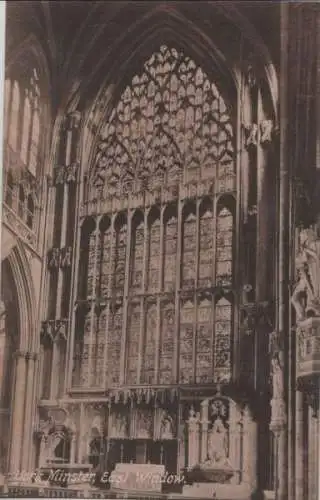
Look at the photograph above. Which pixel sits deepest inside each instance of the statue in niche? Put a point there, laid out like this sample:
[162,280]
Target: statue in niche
[119,428]
[277,375]
[306,295]
[144,424]
[218,443]
[166,428]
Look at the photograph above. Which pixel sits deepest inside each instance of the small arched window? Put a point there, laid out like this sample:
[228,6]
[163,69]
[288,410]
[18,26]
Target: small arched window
[9,189]
[34,148]
[14,122]
[21,205]
[7,98]
[26,130]
[30,211]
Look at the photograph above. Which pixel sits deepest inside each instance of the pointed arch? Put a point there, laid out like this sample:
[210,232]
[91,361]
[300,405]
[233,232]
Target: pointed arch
[29,339]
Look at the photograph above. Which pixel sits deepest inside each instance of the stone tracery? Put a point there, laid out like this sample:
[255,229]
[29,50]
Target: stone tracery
[171,128]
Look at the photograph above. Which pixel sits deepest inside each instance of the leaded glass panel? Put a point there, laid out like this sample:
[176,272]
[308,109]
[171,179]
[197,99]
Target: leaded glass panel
[148,362]
[114,346]
[186,343]
[167,326]
[222,347]
[204,350]
[170,253]
[170,125]
[134,326]
[153,256]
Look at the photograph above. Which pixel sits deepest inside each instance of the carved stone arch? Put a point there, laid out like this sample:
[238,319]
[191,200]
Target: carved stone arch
[29,338]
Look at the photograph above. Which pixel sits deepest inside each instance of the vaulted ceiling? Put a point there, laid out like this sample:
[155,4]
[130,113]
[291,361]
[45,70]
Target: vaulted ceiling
[82,39]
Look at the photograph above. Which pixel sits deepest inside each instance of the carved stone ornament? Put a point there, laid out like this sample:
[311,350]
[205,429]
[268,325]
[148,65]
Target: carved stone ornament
[251,131]
[54,329]
[306,294]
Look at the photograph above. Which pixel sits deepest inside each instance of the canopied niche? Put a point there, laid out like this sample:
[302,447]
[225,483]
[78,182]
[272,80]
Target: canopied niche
[221,442]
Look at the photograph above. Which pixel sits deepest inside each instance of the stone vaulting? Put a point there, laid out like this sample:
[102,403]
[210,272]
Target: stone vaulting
[160,250]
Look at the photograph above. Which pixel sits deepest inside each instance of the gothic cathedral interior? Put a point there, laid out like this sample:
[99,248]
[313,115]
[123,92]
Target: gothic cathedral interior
[160,250]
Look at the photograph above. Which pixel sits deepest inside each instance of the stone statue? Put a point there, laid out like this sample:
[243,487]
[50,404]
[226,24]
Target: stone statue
[166,429]
[277,376]
[120,426]
[306,295]
[144,425]
[218,442]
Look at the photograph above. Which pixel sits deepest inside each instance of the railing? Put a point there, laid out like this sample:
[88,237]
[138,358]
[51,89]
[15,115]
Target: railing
[22,491]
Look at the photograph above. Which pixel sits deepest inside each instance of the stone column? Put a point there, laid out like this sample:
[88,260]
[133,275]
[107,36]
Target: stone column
[204,430]
[193,439]
[299,447]
[278,427]
[28,419]
[18,408]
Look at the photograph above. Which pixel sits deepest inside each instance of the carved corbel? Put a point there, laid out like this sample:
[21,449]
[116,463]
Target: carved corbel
[59,175]
[251,132]
[54,258]
[266,130]
[65,256]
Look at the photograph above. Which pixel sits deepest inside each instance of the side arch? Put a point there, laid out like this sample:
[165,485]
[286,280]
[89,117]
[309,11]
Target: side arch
[29,341]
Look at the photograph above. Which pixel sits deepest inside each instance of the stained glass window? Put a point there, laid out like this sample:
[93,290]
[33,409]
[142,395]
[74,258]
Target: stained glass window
[206,244]
[186,343]
[14,118]
[148,359]
[170,249]
[134,326]
[170,125]
[137,249]
[222,347]
[84,356]
[204,365]
[189,248]
[224,255]
[114,346]
[104,260]
[98,346]
[154,252]
[119,264]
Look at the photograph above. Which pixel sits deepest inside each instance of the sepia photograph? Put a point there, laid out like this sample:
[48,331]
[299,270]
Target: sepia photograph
[160,250]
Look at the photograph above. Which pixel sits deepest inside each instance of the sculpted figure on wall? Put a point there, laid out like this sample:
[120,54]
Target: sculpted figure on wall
[166,430]
[277,376]
[306,294]
[218,442]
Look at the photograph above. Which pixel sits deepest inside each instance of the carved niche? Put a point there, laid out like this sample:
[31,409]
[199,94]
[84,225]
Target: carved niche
[306,302]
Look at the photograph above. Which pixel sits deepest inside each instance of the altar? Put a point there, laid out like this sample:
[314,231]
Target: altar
[137,477]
